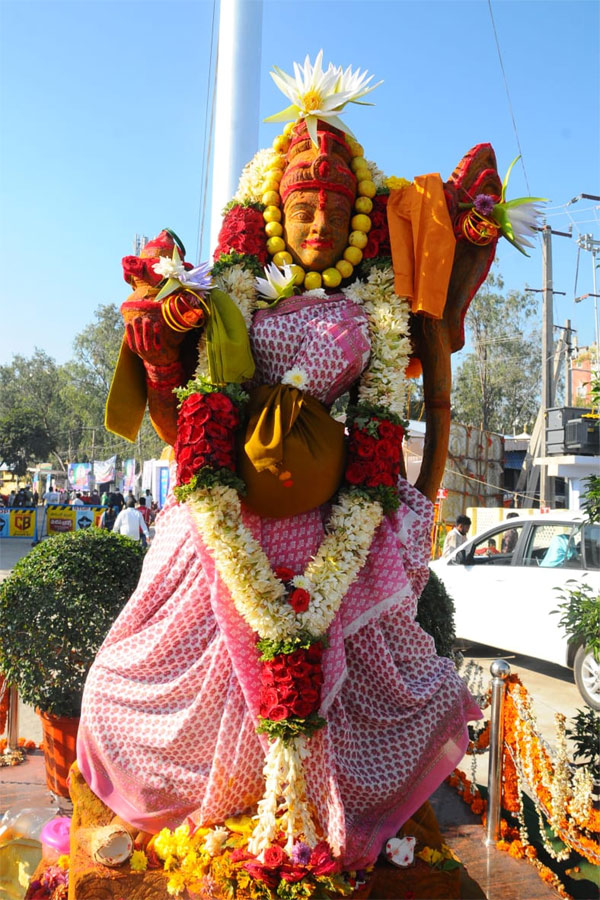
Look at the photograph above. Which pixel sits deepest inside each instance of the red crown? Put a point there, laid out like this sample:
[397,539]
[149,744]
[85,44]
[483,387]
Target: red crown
[326,167]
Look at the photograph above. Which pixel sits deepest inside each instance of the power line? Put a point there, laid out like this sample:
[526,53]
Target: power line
[510,106]
[208,134]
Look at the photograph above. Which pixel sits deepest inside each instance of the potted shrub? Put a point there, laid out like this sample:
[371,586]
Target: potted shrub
[435,615]
[55,610]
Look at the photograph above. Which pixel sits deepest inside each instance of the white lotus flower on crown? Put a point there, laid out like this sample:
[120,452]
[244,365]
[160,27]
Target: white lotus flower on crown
[318,94]
[278,284]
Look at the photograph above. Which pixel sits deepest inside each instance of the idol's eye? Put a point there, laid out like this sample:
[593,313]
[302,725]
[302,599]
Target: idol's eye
[301,214]
[338,220]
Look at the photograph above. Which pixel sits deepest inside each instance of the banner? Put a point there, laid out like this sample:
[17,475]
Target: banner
[163,486]
[60,519]
[104,470]
[128,474]
[79,476]
[19,522]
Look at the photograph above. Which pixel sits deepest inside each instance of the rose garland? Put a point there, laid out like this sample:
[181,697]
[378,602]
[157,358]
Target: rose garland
[290,612]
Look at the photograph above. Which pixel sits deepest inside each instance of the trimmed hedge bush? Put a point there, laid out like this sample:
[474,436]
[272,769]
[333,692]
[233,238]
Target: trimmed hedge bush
[56,608]
[435,615]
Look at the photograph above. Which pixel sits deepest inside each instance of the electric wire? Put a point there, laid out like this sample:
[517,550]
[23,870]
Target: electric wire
[510,106]
[208,133]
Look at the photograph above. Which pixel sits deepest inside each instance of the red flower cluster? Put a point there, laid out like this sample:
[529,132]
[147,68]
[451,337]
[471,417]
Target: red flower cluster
[379,235]
[205,434]
[277,866]
[136,267]
[141,269]
[291,684]
[375,461]
[243,231]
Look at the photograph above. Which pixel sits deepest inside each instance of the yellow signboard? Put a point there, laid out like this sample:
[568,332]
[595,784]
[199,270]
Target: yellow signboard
[22,523]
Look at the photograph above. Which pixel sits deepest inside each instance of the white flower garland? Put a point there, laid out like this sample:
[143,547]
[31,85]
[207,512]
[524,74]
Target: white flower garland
[258,595]
[284,777]
[244,568]
[383,383]
[254,174]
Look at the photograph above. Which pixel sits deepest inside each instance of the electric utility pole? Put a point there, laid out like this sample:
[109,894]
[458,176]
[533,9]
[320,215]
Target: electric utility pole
[547,398]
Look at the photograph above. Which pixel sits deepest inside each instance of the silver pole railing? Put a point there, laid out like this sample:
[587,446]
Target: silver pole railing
[12,729]
[500,670]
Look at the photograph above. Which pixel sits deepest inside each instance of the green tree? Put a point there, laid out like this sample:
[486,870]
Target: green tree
[23,439]
[497,384]
[30,388]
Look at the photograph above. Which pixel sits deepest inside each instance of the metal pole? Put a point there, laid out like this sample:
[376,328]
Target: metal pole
[596,331]
[546,483]
[568,350]
[500,670]
[237,100]
[12,731]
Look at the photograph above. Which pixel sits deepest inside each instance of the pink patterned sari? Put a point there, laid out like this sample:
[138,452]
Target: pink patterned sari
[170,706]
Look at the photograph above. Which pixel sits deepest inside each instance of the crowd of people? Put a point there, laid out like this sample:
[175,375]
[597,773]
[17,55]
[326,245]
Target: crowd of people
[126,515]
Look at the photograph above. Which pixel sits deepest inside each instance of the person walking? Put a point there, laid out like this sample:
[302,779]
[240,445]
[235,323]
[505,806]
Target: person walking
[457,535]
[130,523]
[109,517]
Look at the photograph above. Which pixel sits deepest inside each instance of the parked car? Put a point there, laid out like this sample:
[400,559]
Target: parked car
[503,584]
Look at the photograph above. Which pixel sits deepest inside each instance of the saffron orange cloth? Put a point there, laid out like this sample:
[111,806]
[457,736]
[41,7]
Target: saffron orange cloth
[422,242]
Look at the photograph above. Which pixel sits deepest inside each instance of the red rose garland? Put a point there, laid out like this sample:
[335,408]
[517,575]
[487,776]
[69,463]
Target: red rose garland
[242,231]
[291,684]
[374,456]
[205,434]
[379,235]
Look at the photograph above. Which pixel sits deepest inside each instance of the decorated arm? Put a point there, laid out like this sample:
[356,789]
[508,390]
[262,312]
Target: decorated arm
[160,320]
[478,213]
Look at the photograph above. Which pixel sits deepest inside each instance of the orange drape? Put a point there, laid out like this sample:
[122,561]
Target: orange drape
[422,242]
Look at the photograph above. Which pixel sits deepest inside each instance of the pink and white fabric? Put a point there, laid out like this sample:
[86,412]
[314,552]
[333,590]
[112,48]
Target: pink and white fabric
[169,712]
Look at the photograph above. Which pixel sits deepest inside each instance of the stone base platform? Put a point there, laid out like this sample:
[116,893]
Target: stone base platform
[89,880]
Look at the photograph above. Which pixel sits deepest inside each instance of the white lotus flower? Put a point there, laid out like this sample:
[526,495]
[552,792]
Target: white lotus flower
[517,218]
[177,276]
[198,278]
[316,94]
[278,284]
[524,220]
[169,268]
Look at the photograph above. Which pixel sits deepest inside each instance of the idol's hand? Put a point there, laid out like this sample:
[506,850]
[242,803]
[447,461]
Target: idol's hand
[148,333]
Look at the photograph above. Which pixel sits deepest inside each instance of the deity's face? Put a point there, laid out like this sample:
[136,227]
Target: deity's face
[316,225]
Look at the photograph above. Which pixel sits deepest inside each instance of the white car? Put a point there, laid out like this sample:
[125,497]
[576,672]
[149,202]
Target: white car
[503,583]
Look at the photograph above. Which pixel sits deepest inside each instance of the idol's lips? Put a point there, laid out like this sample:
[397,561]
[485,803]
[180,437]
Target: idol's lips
[318,244]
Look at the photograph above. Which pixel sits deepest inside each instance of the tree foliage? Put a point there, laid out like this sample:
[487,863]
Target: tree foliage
[496,387]
[23,439]
[57,411]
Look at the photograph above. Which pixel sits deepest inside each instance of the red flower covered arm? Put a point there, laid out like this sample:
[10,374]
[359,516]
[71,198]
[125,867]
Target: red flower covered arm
[160,348]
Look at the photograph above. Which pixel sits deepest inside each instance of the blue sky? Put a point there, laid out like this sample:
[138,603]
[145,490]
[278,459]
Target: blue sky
[103,128]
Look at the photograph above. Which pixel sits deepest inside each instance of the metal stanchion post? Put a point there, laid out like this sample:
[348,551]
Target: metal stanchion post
[500,670]
[12,731]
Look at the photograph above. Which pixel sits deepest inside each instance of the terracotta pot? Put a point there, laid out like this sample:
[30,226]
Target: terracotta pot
[60,739]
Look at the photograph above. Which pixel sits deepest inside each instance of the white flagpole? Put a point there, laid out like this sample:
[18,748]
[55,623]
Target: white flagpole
[237,100]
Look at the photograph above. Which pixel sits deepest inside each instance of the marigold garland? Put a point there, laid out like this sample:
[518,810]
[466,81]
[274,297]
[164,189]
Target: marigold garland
[553,789]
